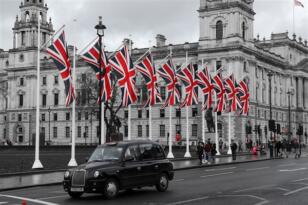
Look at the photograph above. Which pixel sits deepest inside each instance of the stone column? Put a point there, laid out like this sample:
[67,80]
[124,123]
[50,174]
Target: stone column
[306,92]
[300,92]
[14,40]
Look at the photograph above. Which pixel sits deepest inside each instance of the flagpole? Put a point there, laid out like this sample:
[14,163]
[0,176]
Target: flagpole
[202,112]
[170,154]
[150,106]
[216,130]
[60,29]
[72,162]
[129,106]
[293,17]
[229,124]
[37,163]
[103,135]
[187,154]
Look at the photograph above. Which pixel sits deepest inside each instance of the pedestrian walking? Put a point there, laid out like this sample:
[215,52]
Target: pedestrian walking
[284,147]
[278,147]
[207,150]
[296,149]
[220,144]
[270,145]
[213,153]
[233,149]
[200,151]
[240,146]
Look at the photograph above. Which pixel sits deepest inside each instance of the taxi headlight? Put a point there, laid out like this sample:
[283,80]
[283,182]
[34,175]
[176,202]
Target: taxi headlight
[96,174]
[66,174]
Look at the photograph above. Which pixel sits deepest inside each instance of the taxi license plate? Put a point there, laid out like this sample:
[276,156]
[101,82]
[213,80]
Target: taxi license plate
[77,189]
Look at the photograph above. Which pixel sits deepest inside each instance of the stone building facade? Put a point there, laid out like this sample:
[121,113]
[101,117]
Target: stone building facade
[226,39]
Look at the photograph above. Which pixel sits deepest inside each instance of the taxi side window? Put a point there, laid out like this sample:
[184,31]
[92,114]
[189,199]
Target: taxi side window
[132,152]
[151,151]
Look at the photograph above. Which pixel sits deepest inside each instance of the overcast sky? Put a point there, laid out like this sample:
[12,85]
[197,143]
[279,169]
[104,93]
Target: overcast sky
[143,19]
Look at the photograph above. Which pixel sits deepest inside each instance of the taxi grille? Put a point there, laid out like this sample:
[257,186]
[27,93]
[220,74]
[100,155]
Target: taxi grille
[79,178]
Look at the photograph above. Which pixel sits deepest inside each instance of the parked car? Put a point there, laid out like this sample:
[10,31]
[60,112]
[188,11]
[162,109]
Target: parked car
[118,166]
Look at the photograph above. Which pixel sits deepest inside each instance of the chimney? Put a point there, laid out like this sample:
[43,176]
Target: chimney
[160,40]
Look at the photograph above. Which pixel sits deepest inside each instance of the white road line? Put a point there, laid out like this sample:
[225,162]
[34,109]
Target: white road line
[292,170]
[299,180]
[188,201]
[283,189]
[3,202]
[263,200]
[211,170]
[53,197]
[28,199]
[295,191]
[255,169]
[178,180]
[255,188]
[212,175]
[286,165]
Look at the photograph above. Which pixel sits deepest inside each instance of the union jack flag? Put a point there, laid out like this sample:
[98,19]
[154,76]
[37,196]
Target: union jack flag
[205,83]
[232,94]
[92,58]
[147,70]
[191,83]
[167,72]
[220,92]
[244,95]
[126,73]
[58,52]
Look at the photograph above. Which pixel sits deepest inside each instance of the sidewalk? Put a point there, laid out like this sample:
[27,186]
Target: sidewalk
[51,178]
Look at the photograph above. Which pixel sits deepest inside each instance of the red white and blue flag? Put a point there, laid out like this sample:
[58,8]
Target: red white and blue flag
[92,58]
[205,83]
[220,90]
[190,80]
[168,74]
[298,3]
[244,95]
[147,70]
[124,69]
[232,90]
[58,52]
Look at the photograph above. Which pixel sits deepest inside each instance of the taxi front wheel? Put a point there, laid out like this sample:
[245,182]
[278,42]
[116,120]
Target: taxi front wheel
[163,182]
[111,188]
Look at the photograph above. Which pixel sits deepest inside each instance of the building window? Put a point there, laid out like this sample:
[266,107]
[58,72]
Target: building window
[219,30]
[67,132]
[163,93]
[245,67]
[79,132]
[21,100]
[19,117]
[178,128]
[4,133]
[139,130]
[162,113]
[44,99]
[139,113]
[194,112]
[44,80]
[55,132]
[56,80]
[43,117]
[218,65]
[125,131]
[178,112]
[98,132]
[126,114]
[67,116]
[147,130]
[162,130]
[79,116]
[23,38]
[55,116]
[86,115]
[21,81]
[148,113]
[194,130]
[243,30]
[56,99]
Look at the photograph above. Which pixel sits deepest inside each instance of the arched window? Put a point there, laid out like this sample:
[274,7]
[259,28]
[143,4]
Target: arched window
[219,30]
[243,30]
[41,16]
[27,16]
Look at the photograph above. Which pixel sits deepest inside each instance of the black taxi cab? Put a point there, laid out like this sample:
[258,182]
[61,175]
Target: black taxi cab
[120,166]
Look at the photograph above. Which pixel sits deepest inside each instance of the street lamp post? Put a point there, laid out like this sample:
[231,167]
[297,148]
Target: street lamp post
[289,93]
[270,74]
[49,125]
[100,27]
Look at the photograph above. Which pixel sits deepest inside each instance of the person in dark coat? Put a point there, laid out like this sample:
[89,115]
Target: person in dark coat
[200,151]
[213,152]
[233,149]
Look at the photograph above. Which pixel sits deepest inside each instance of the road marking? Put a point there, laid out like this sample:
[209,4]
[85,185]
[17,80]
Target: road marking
[299,180]
[178,180]
[188,201]
[255,169]
[3,202]
[283,189]
[292,170]
[28,199]
[286,165]
[210,170]
[254,188]
[53,197]
[212,175]
[263,200]
[295,191]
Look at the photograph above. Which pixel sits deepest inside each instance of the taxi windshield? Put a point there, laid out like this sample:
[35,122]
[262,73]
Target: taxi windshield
[106,153]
